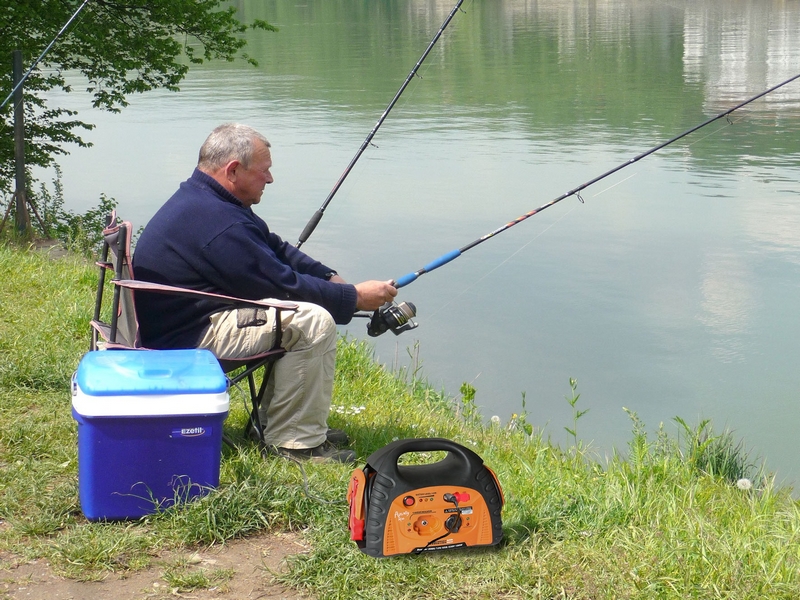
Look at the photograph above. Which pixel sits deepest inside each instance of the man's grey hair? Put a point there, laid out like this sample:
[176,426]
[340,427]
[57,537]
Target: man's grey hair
[230,141]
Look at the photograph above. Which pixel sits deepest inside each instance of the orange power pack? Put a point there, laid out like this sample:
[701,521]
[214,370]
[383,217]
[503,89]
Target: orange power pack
[402,509]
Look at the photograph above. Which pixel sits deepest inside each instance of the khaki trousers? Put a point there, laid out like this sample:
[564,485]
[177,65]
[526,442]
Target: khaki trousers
[298,395]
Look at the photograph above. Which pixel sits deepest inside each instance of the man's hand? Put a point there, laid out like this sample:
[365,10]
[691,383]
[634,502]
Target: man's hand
[374,294]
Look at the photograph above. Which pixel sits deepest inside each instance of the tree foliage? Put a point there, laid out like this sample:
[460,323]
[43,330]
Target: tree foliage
[120,47]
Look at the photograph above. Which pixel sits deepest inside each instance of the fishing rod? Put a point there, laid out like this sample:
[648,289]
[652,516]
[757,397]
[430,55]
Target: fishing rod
[314,221]
[446,258]
[42,55]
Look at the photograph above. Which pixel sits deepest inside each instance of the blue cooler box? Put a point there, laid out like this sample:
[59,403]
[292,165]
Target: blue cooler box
[149,429]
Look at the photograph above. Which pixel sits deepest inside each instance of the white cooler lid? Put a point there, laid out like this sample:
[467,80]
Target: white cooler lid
[154,405]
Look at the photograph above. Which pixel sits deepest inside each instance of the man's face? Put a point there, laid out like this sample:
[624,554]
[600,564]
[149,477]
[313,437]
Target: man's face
[250,181]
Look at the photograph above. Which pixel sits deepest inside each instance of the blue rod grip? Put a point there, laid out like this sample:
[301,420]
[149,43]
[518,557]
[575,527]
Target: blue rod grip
[442,260]
[405,280]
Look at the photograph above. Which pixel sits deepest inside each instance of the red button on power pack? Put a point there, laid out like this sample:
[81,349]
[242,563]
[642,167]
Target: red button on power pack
[408,501]
[462,496]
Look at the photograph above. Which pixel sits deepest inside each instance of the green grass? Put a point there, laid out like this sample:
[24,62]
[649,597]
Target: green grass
[662,518]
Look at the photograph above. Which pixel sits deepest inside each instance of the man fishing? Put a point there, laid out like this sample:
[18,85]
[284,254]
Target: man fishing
[207,237]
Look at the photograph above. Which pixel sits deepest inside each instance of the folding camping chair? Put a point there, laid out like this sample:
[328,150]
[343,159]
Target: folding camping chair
[122,332]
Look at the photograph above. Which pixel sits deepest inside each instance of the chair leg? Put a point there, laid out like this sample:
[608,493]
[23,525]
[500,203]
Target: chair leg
[254,419]
[258,402]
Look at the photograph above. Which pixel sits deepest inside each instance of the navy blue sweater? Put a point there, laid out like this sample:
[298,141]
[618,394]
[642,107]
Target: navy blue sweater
[203,238]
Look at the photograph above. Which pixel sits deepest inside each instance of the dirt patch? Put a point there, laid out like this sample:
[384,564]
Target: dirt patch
[253,562]
[53,248]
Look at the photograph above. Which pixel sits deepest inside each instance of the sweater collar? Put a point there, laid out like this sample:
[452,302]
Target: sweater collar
[205,179]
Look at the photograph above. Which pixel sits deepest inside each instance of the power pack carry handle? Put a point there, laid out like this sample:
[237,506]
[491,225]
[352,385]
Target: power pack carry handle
[459,460]
[391,453]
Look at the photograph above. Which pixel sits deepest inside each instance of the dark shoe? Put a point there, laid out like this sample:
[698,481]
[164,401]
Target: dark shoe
[325,452]
[337,437]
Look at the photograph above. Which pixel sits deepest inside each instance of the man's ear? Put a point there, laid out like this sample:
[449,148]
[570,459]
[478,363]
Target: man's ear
[230,170]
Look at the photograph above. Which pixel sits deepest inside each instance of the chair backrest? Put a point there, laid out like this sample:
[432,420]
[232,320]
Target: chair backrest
[123,329]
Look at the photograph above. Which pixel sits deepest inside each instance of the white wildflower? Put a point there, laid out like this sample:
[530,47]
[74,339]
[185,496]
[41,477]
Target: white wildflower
[347,410]
[744,484]
[495,420]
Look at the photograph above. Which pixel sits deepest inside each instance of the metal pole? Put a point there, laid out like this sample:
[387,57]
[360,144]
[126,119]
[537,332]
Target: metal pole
[22,219]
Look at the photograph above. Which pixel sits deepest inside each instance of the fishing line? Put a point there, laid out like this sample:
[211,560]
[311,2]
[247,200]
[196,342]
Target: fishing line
[521,248]
[509,257]
[42,55]
[475,282]
[315,219]
[452,255]
[553,224]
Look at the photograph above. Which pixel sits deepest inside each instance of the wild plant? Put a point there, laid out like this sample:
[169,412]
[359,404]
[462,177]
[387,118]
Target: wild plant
[519,421]
[468,408]
[576,414]
[718,455]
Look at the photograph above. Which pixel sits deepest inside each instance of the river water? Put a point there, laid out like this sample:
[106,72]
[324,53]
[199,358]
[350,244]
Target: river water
[673,290]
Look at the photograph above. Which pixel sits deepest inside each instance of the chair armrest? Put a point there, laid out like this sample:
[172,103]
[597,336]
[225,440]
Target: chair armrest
[147,286]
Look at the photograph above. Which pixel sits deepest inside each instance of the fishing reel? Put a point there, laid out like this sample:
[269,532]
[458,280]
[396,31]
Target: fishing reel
[394,317]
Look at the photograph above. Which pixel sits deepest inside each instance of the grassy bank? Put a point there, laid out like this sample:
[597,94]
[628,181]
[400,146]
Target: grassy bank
[666,520]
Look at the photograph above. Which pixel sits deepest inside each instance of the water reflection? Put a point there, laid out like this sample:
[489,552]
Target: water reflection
[727,300]
[736,47]
[774,228]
